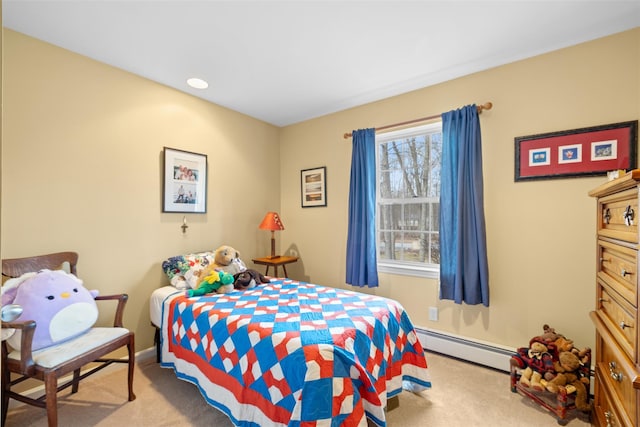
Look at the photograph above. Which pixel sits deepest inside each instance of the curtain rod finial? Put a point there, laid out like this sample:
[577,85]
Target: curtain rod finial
[487,106]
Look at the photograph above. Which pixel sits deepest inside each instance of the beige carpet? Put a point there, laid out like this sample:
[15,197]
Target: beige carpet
[463,394]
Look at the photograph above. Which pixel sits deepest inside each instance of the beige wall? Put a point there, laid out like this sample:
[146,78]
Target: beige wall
[81,170]
[540,234]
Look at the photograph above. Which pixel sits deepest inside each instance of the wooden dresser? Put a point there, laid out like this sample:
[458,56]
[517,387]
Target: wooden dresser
[617,370]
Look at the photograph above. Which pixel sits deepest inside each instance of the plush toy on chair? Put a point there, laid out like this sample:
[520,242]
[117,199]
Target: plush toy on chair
[538,362]
[58,302]
[568,374]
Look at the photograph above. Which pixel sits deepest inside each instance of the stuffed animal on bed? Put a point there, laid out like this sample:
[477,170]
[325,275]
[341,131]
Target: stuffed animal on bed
[227,259]
[248,279]
[215,282]
[58,302]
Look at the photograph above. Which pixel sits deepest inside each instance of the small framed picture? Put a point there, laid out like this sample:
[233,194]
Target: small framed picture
[185,181]
[570,153]
[573,153]
[313,187]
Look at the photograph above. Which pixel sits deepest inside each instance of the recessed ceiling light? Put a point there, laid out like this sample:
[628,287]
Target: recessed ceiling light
[197,83]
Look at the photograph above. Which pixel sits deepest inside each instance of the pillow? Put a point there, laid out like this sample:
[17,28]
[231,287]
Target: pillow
[183,271]
[61,306]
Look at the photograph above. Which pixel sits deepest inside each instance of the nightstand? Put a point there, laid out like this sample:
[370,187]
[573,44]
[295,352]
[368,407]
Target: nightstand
[275,262]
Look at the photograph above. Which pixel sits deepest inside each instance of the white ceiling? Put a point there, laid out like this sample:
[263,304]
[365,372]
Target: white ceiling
[288,61]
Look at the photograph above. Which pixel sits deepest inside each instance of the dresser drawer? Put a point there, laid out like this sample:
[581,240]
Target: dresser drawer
[619,317]
[605,412]
[618,216]
[617,266]
[617,375]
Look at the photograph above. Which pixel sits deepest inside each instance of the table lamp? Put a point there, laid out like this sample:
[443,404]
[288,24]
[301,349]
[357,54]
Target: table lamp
[272,222]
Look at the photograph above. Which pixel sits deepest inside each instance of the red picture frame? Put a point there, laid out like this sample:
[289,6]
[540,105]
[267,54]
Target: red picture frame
[581,152]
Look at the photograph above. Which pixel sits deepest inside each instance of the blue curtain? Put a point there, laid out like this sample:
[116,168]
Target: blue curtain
[361,238]
[464,273]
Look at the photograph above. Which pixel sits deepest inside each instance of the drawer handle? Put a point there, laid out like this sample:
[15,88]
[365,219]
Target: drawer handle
[624,272]
[603,300]
[608,415]
[628,215]
[624,325]
[606,217]
[617,376]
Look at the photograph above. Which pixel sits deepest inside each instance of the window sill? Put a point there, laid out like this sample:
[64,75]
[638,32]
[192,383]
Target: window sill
[410,270]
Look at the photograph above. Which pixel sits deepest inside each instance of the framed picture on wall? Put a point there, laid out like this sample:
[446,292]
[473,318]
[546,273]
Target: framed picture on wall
[313,187]
[185,181]
[572,153]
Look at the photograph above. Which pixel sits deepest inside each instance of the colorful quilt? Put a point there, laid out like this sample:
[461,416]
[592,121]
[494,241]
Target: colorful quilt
[291,353]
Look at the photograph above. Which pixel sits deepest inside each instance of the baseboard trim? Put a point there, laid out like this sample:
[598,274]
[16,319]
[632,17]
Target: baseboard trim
[486,354]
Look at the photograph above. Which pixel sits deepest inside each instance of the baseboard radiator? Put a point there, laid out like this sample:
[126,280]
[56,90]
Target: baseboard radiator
[484,354]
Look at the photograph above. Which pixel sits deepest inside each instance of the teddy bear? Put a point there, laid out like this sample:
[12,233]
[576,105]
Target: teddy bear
[215,282]
[226,259]
[538,362]
[564,344]
[549,335]
[568,374]
[248,279]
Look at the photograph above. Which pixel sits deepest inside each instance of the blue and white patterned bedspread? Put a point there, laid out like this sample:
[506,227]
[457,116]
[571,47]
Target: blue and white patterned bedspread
[294,353]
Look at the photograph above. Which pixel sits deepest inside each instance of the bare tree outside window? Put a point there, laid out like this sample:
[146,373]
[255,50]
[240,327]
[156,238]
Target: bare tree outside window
[409,196]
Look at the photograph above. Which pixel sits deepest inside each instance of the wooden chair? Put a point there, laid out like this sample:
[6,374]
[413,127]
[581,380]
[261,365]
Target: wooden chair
[90,347]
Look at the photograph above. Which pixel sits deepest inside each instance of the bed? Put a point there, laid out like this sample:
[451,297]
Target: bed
[291,353]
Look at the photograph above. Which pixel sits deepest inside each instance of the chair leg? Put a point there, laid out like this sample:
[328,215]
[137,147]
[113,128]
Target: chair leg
[76,381]
[51,399]
[6,378]
[132,361]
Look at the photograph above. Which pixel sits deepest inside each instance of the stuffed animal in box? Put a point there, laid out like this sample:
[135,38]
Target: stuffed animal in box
[216,281]
[568,373]
[58,302]
[538,361]
[248,279]
[549,335]
[565,344]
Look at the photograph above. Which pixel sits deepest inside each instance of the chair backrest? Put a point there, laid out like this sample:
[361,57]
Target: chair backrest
[18,266]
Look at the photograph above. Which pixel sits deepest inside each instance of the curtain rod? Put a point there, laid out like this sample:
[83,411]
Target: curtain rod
[485,106]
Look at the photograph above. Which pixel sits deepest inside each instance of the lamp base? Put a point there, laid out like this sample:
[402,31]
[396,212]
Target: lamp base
[273,246]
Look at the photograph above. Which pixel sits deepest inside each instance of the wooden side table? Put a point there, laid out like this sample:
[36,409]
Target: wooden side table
[275,262]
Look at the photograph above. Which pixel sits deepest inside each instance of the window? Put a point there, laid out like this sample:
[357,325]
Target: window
[408,200]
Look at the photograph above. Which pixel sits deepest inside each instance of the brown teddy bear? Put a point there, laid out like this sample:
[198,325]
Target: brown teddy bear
[568,374]
[549,335]
[225,259]
[565,344]
[538,361]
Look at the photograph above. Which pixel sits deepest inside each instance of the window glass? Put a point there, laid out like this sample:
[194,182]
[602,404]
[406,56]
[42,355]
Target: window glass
[408,197]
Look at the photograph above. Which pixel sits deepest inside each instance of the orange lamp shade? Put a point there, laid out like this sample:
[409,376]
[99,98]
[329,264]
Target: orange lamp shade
[271,222]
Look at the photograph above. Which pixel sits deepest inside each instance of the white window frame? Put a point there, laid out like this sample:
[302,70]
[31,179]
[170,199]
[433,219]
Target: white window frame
[405,268]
